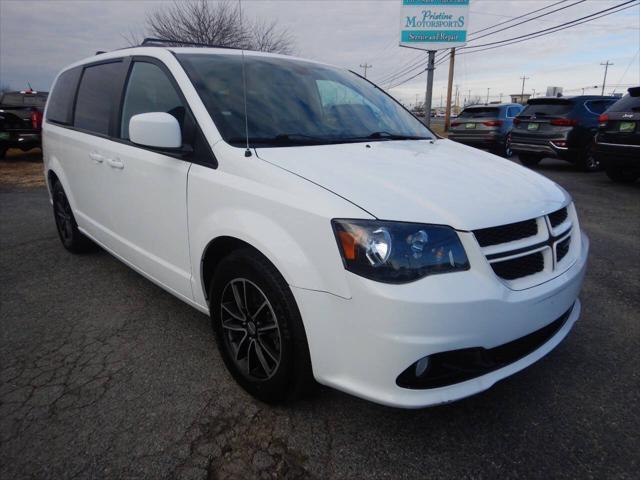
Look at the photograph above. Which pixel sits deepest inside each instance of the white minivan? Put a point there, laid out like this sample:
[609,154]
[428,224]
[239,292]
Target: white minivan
[327,232]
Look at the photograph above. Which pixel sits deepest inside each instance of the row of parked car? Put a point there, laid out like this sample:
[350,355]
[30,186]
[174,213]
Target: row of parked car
[592,132]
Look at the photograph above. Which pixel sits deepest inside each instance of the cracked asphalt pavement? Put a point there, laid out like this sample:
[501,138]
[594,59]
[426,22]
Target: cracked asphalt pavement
[104,375]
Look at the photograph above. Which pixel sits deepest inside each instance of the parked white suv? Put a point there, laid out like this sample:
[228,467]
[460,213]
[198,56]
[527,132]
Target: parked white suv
[328,233]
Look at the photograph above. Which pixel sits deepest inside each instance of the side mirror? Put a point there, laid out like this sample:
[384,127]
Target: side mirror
[155,129]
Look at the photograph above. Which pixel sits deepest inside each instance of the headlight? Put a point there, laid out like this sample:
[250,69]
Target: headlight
[396,252]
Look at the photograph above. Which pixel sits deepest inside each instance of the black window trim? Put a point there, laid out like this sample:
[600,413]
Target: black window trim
[207,158]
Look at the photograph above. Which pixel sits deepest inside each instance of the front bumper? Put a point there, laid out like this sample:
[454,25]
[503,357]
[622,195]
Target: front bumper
[362,344]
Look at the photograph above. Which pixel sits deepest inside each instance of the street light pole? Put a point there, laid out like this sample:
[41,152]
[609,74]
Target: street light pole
[488,95]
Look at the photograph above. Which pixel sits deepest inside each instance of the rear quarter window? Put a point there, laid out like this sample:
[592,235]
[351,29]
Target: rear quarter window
[96,97]
[61,98]
[598,106]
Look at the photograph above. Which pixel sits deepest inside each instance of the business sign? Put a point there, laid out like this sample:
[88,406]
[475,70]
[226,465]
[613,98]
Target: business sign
[434,24]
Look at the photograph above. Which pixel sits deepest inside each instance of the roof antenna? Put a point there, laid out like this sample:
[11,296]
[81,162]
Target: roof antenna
[247,152]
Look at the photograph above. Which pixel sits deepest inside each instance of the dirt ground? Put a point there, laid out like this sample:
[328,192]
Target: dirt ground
[22,169]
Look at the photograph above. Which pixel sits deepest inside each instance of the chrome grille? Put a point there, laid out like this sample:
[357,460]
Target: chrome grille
[529,252]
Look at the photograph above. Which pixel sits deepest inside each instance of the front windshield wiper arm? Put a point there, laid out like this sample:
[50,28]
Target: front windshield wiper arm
[395,136]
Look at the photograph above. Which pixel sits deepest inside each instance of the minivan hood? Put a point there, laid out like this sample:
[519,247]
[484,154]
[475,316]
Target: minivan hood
[439,182]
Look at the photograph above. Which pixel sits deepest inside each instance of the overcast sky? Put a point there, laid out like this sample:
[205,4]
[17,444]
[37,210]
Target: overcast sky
[37,38]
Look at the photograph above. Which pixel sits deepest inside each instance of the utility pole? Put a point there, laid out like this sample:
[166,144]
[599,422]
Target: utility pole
[469,97]
[534,93]
[488,89]
[366,66]
[456,102]
[447,115]
[606,67]
[429,92]
[500,97]
[523,78]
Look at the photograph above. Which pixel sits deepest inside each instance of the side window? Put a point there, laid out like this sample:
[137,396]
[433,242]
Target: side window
[61,99]
[96,97]
[150,90]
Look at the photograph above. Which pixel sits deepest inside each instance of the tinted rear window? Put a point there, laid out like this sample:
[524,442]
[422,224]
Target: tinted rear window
[61,101]
[480,112]
[626,104]
[547,109]
[96,97]
[24,100]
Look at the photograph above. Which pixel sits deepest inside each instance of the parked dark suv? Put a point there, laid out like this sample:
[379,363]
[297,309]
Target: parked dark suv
[21,119]
[562,128]
[618,139]
[486,126]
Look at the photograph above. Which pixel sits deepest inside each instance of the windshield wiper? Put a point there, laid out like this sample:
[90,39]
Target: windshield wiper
[395,136]
[283,139]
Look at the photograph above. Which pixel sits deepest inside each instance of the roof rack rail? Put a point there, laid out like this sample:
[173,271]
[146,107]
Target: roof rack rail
[150,42]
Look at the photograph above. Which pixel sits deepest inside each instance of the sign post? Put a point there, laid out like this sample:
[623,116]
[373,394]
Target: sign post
[433,25]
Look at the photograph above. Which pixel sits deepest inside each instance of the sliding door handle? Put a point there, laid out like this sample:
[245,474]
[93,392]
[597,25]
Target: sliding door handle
[96,157]
[115,163]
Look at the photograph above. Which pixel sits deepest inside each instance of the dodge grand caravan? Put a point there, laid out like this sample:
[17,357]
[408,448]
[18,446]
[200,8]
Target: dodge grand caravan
[326,231]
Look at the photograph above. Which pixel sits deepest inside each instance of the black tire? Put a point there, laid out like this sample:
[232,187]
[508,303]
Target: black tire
[3,152]
[621,175]
[285,351]
[504,149]
[588,162]
[529,160]
[72,239]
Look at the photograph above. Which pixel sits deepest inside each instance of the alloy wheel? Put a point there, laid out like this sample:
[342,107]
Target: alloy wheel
[64,217]
[250,329]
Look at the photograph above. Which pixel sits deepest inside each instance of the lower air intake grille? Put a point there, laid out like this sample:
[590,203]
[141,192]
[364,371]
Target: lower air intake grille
[506,233]
[519,267]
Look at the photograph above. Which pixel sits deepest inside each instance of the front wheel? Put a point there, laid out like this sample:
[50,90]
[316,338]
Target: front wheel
[258,328]
[529,160]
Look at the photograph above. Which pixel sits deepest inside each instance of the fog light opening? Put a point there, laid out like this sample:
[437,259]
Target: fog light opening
[421,366]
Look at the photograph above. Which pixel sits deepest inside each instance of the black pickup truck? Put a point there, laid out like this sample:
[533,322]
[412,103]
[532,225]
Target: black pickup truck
[21,119]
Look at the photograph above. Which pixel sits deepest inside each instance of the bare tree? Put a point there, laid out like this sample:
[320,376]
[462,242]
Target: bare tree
[217,23]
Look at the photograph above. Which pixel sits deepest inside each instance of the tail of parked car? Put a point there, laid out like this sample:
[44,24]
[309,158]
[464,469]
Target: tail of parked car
[561,128]
[618,139]
[21,119]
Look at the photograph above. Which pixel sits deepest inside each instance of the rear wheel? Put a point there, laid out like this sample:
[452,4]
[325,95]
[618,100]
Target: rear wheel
[504,149]
[3,151]
[588,162]
[621,175]
[258,328]
[72,239]
[529,160]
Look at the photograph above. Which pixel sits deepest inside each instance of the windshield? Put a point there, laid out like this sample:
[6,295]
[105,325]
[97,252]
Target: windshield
[479,112]
[291,102]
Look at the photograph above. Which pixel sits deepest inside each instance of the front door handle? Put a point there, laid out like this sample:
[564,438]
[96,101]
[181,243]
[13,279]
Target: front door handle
[115,163]
[96,157]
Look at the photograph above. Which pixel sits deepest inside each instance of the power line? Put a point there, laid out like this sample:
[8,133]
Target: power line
[627,69]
